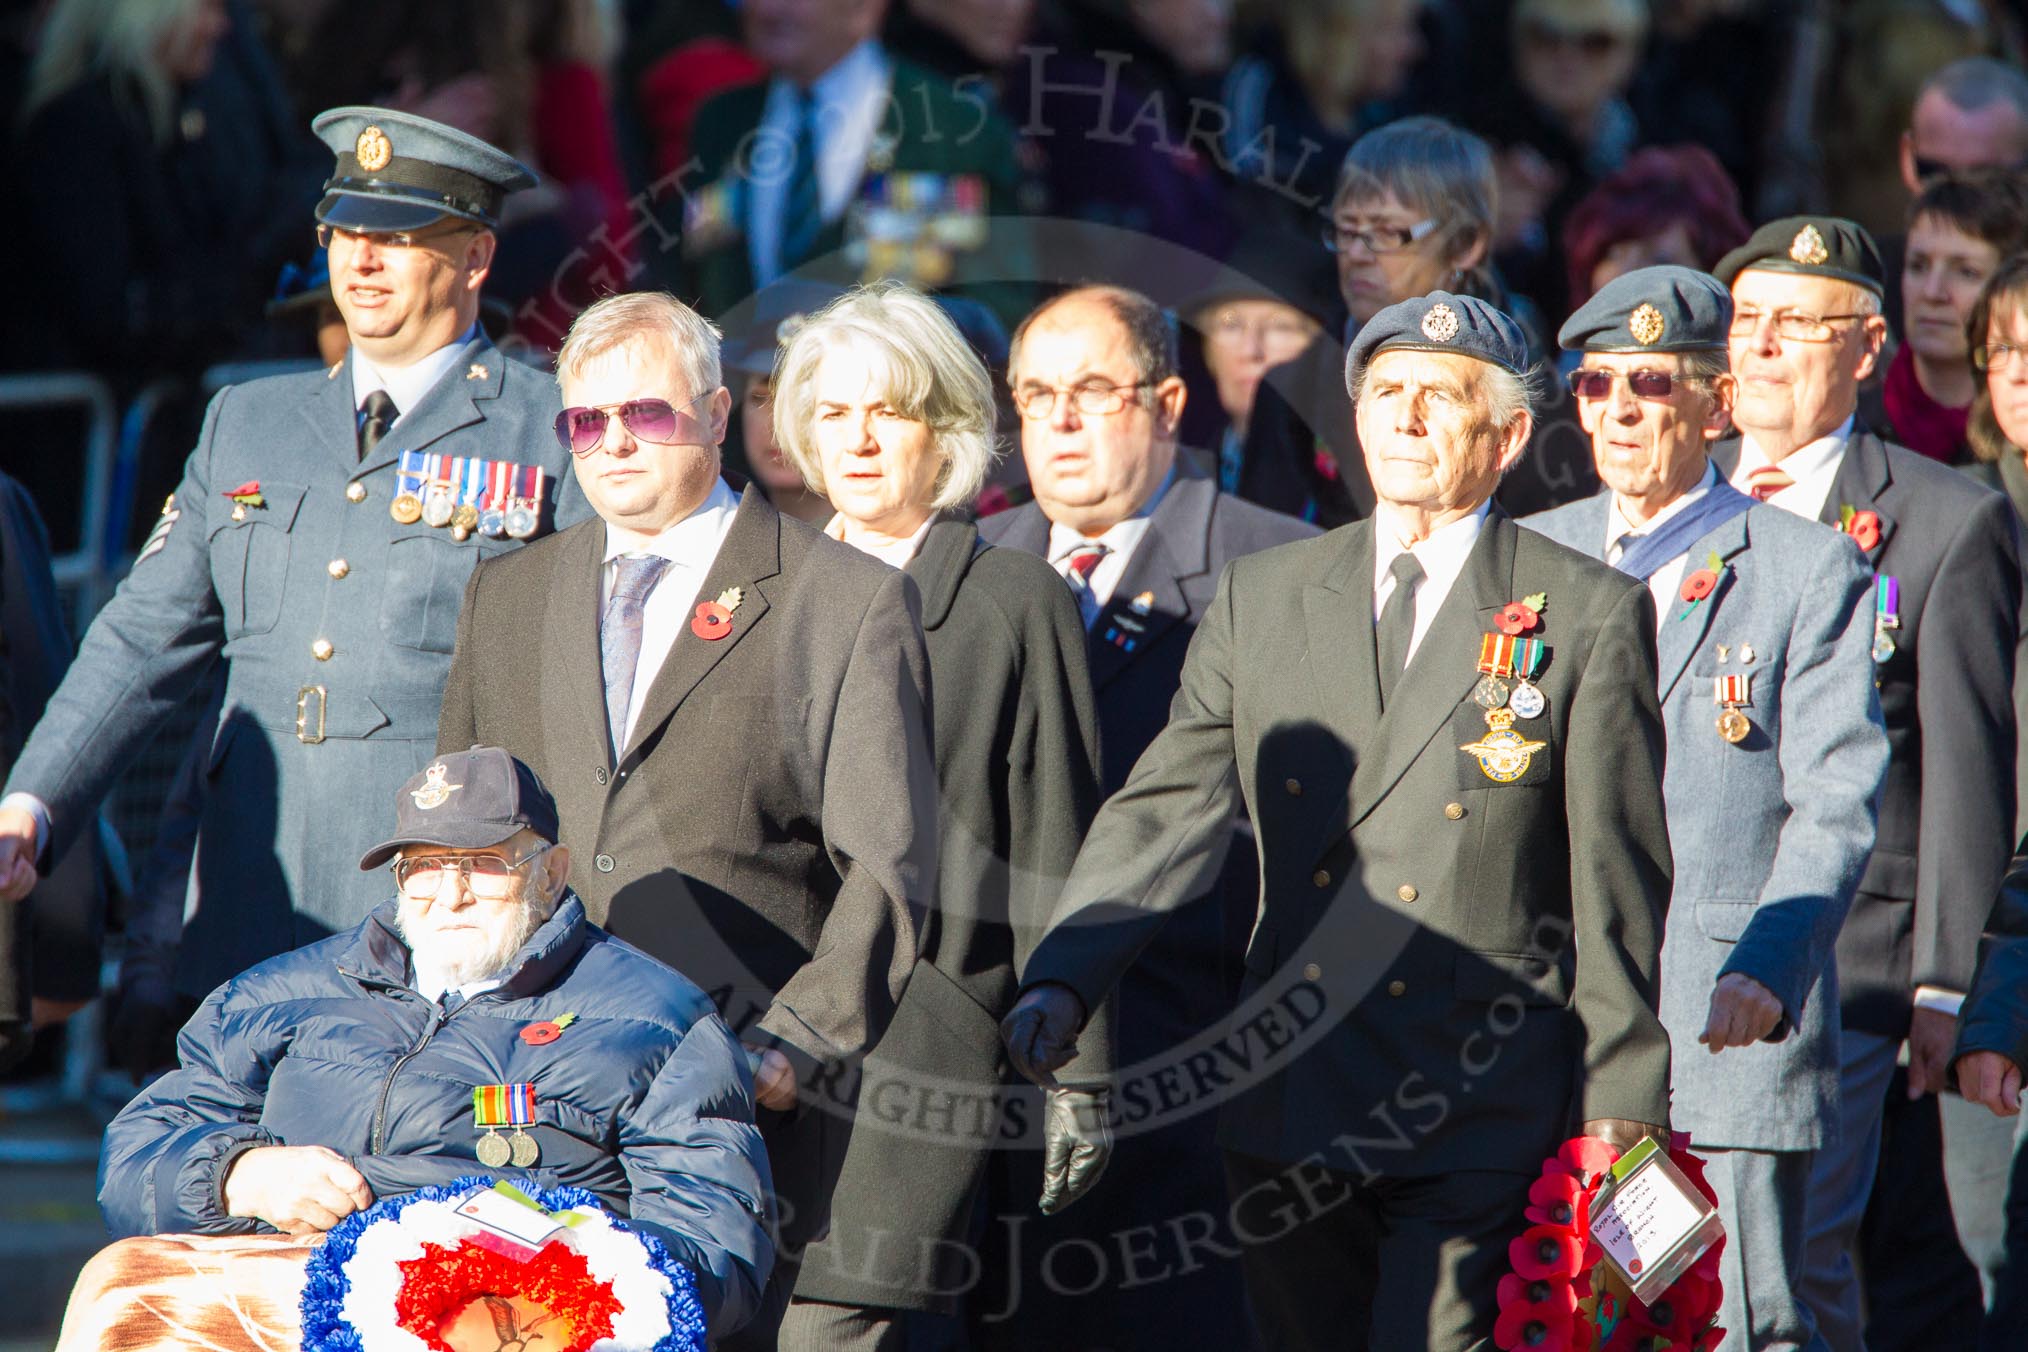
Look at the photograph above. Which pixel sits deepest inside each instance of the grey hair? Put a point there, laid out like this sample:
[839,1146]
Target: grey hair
[922,366]
[83,38]
[1431,167]
[1151,331]
[1508,393]
[1978,82]
[654,316]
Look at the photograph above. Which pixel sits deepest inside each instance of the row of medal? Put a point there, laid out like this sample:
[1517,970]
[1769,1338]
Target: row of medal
[1507,690]
[1886,615]
[505,1105]
[497,498]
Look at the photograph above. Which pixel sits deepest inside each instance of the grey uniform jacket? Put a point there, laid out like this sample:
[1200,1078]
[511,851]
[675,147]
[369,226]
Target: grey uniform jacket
[1769,834]
[286,816]
[1447,969]
[768,829]
[1017,759]
[1946,812]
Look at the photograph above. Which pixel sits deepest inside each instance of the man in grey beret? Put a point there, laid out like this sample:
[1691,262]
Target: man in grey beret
[1445,731]
[1806,329]
[1776,750]
[319,542]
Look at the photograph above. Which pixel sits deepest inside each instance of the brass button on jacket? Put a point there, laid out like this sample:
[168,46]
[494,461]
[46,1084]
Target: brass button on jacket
[1455,811]
[322,650]
[355,491]
[1321,878]
[1406,892]
[1397,988]
[337,568]
[1294,786]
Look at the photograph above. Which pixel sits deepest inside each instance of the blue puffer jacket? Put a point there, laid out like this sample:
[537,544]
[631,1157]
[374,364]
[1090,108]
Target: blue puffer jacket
[645,1098]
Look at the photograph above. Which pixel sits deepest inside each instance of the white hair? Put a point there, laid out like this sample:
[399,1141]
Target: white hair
[1508,394]
[84,38]
[922,366]
[652,316]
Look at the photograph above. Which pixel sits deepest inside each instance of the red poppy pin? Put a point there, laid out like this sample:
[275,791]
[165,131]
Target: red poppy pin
[1536,1315]
[1862,526]
[547,1031]
[1523,616]
[1547,1253]
[247,494]
[1701,583]
[712,620]
[1326,463]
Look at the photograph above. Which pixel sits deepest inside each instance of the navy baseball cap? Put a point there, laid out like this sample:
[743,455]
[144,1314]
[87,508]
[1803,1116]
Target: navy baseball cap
[397,171]
[467,800]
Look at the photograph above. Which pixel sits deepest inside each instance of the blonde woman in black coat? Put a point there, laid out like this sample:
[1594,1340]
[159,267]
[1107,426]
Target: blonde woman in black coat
[889,414]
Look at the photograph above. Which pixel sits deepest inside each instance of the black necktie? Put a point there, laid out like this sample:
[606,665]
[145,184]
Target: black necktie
[1397,624]
[380,415]
[802,202]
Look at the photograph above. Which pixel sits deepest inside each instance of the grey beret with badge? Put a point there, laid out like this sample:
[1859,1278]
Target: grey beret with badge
[397,171]
[1816,246]
[1441,322]
[1665,308]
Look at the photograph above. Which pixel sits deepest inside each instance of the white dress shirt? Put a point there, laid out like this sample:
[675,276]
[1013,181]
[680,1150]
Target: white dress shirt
[430,986]
[1442,557]
[1122,540]
[1813,467]
[895,553]
[851,100]
[691,546]
[406,385]
[1663,581]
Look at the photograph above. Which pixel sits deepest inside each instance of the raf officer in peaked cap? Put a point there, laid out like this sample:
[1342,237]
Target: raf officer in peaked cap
[319,541]
[1445,731]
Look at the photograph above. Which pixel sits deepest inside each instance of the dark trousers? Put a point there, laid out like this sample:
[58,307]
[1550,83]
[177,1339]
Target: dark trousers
[1337,1264]
[806,1150]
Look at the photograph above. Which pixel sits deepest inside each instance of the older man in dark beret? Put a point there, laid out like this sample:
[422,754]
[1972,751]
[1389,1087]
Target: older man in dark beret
[1776,751]
[1445,731]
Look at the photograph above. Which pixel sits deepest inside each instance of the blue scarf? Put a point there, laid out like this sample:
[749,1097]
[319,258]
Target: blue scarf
[1647,553]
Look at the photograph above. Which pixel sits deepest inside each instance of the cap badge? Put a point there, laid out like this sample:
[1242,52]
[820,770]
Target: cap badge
[1808,247]
[1440,325]
[1646,324]
[476,371]
[373,150]
[434,793]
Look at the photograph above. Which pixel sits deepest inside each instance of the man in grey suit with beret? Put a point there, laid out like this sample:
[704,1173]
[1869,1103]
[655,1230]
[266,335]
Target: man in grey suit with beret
[731,709]
[1775,753]
[1806,329]
[1445,731]
[318,542]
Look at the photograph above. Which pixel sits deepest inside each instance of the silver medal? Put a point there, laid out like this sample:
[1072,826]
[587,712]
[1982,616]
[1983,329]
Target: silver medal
[1527,700]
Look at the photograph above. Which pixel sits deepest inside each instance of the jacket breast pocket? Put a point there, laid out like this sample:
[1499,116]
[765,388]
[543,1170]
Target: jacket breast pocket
[250,558]
[426,575]
[1725,921]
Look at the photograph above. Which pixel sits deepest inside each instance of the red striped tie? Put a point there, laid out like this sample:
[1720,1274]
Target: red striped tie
[1767,481]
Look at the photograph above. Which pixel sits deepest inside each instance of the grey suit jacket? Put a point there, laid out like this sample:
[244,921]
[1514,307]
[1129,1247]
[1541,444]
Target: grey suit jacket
[1946,812]
[1770,834]
[764,830]
[285,819]
[1447,970]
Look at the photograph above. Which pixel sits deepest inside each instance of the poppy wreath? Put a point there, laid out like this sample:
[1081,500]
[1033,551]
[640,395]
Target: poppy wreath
[408,1273]
[1561,1296]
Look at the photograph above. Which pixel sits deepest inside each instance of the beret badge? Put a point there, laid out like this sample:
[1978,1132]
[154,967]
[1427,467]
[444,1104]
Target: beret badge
[373,150]
[1646,324]
[1440,325]
[1808,248]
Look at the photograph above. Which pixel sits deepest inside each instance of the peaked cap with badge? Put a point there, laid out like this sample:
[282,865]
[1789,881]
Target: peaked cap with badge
[298,547]
[1816,246]
[1665,308]
[397,171]
[467,800]
[1441,322]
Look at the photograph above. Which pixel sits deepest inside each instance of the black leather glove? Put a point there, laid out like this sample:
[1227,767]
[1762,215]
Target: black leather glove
[1041,1030]
[1077,1143]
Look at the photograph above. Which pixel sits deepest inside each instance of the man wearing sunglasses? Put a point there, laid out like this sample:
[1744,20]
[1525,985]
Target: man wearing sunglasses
[1806,329]
[1776,751]
[327,1079]
[732,709]
[290,551]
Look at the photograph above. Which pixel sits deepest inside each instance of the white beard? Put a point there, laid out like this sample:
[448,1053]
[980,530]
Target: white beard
[448,963]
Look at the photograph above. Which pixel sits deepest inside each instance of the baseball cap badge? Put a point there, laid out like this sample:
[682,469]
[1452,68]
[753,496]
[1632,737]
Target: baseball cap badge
[1808,248]
[435,792]
[1440,325]
[1646,324]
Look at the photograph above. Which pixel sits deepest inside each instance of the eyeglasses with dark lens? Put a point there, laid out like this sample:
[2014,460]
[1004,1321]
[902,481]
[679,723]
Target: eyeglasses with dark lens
[1037,402]
[580,430]
[487,875]
[1595,384]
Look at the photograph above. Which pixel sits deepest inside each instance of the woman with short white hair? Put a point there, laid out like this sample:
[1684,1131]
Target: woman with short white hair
[889,414]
